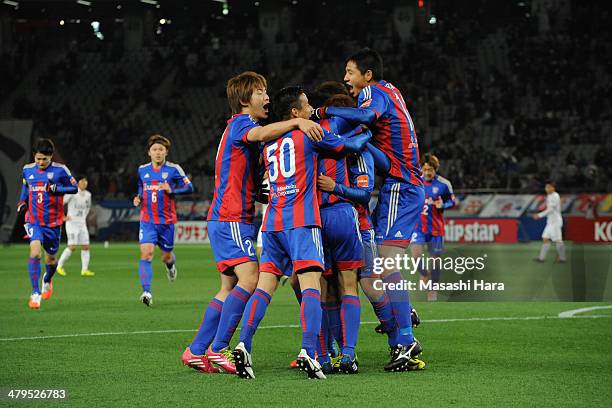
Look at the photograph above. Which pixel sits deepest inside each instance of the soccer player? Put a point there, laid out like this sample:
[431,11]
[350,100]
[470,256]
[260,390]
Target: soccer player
[44,184]
[79,205]
[554,223]
[429,231]
[158,182]
[401,197]
[292,241]
[230,218]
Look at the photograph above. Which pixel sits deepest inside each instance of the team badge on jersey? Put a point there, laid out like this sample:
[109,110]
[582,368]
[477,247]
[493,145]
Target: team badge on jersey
[50,175]
[362,181]
[435,190]
[165,175]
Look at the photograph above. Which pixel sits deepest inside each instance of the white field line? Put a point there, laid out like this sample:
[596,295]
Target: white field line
[291,326]
[574,312]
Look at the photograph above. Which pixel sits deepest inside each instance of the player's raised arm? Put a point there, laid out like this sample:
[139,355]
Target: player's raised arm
[66,185]
[381,160]
[350,142]
[275,130]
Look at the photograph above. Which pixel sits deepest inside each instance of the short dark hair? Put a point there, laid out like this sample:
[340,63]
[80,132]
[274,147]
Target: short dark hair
[285,100]
[329,88]
[368,59]
[340,100]
[44,146]
[551,182]
[157,138]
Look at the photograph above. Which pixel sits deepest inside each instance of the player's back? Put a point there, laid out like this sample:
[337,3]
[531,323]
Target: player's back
[45,208]
[234,194]
[291,162]
[394,131]
[332,164]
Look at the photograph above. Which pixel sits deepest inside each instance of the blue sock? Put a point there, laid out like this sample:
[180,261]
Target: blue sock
[335,323]
[400,303]
[34,271]
[384,312]
[323,343]
[49,272]
[310,317]
[230,317]
[351,314]
[172,261]
[146,274]
[208,328]
[253,313]
[435,275]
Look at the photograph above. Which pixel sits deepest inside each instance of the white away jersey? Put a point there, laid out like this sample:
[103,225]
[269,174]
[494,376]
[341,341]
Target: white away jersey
[553,209]
[78,205]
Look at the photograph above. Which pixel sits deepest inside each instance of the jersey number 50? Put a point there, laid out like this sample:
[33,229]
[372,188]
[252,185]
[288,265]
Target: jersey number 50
[287,152]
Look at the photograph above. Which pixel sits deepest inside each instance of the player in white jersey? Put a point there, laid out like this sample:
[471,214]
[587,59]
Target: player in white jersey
[78,205]
[554,223]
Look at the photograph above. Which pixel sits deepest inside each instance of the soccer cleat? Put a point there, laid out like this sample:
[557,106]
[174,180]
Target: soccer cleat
[327,367]
[171,273]
[224,360]
[414,317]
[414,364]
[348,365]
[146,298]
[87,273]
[401,355]
[310,365]
[243,362]
[34,302]
[60,271]
[47,290]
[198,363]
[538,260]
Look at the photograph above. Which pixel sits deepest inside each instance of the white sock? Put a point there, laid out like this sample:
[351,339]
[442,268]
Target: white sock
[64,258]
[84,260]
[544,250]
[561,250]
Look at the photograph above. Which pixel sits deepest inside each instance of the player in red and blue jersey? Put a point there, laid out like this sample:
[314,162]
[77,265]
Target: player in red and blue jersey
[292,241]
[158,182]
[429,231]
[44,184]
[401,197]
[230,218]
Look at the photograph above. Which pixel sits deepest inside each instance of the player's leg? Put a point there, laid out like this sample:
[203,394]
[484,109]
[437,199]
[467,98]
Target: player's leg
[83,240]
[50,243]
[396,214]
[417,247]
[165,232]
[35,235]
[148,238]
[546,238]
[194,355]
[557,238]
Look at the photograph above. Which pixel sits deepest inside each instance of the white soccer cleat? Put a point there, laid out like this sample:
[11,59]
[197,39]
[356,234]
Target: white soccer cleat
[243,362]
[34,302]
[171,272]
[146,298]
[310,365]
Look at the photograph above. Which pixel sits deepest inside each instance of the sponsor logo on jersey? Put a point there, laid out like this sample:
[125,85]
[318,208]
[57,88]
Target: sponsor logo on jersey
[365,104]
[362,181]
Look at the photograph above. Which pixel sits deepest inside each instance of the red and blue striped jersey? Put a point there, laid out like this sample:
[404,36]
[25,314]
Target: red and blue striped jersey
[361,174]
[157,206]
[332,164]
[393,130]
[45,208]
[432,217]
[235,165]
[292,167]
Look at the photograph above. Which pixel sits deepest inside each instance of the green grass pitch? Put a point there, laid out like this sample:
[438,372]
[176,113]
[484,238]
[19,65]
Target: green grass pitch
[117,352]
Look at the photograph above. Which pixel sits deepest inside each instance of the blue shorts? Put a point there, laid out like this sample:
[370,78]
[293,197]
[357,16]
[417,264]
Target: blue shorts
[370,252]
[341,238]
[232,244]
[161,235]
[399,207]
[435,244]
[49,237]
[294,249]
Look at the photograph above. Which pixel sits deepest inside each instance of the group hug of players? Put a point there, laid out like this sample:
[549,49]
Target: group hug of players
[316,178]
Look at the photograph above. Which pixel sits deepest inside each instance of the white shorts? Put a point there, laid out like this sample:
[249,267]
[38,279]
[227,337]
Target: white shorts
[552,232]
[77,233]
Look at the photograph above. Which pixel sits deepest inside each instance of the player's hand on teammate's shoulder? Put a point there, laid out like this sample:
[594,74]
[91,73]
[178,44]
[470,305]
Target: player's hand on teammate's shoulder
[326,183]
[313,130]
[136,201]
